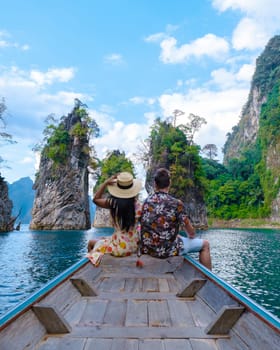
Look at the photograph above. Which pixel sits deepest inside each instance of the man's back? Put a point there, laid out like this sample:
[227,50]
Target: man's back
[161,218]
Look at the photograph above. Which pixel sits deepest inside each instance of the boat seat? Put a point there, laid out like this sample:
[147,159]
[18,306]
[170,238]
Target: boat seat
[51,319]
[83,287]
[225,320]
[192,288]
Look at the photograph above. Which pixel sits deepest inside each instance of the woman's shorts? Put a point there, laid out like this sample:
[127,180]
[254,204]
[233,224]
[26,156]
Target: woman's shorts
[191,245]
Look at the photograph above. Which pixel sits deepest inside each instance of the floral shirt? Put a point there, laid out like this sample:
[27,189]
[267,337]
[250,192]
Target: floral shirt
[121,243]
[162,216]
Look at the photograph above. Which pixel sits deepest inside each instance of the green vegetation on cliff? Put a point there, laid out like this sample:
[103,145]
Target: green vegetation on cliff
[169,147]
[247,186]
[115,162]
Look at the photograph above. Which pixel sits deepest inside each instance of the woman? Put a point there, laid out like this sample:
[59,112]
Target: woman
[125,212]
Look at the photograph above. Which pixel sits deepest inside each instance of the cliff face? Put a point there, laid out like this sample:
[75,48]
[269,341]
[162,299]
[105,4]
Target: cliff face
[266,75]
[260,122]
[61,190]
[6,206]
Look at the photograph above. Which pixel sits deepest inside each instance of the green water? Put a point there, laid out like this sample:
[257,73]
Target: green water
[247,259]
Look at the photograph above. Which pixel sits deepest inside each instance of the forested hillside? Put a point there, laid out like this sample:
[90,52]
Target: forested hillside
[248,184]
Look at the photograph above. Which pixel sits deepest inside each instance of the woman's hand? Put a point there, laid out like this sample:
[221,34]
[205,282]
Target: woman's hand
[111,180]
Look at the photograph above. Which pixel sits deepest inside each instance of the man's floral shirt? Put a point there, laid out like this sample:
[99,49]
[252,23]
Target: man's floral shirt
[162,216]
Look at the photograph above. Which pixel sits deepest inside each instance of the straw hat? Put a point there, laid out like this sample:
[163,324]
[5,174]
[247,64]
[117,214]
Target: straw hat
[125,187]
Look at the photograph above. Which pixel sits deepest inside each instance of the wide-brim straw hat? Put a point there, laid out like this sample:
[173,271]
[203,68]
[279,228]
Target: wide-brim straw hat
[125,187]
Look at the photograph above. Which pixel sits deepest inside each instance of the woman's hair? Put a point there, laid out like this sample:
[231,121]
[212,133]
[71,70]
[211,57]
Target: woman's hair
[123,212]
[162,178]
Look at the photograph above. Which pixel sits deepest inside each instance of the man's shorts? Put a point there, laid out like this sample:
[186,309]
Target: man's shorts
[191,245]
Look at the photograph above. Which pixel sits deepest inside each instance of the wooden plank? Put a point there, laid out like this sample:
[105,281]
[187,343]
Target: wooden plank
[150,285]
[98,344]
[216,297]
[62,297]
[51,318]
[136,295]
[112,284]
[115,313]
[148,344]
[202,314]
[26,331]
[177,344]
[137,313]
[192,288]
[124,344]
[233,343]
[74,314]
[158,313]
[203,344]
[133,285]
[180,313]
[174,286]
[225,320]
[142,332]
[94,312]
[62,344]
[249,325]
[83,287]
[163,285]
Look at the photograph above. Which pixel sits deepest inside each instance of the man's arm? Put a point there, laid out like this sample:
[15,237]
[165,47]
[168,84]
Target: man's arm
[189,229]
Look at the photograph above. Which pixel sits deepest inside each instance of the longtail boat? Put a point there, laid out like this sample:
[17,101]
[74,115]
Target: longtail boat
[168,304]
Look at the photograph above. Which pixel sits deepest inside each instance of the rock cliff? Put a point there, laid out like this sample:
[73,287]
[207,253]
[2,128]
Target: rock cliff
[6,206]
[267,73]
[61,187]
[259,126]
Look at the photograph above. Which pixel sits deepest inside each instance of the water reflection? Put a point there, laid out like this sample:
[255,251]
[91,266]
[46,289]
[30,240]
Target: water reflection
[247,259]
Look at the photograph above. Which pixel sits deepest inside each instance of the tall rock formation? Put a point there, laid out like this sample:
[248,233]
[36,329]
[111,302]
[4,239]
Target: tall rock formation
[6,206]
[170,148]
[266,75]
[259,126]
[61,187]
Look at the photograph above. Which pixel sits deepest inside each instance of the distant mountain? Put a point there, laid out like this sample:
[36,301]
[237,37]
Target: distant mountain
[22,196]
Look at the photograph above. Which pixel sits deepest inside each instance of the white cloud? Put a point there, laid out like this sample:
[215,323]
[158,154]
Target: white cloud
[114,58]
[249,35]
[5,42]
[157,37]
[225,79]
[220,108]
[142,100]
[260,21]
[52,75]
[208,46]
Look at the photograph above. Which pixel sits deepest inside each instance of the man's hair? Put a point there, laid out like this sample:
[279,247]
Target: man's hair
[162,178]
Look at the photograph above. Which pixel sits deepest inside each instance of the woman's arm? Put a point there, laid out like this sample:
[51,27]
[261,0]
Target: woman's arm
[97,199]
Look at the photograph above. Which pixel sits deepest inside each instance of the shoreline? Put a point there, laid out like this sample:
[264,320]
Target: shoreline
[243,223]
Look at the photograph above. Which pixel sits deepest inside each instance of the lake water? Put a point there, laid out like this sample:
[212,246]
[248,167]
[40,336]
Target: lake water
[248,259]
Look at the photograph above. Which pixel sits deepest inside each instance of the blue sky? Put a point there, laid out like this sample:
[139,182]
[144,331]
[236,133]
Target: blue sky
[130,62]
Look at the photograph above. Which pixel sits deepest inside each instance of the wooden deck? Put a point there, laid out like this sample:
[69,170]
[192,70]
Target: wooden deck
[166,305]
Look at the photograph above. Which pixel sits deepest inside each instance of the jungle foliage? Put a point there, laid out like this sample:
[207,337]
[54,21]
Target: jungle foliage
[245,188]
[59,135]
[115,162]
[170,147]
[5,137]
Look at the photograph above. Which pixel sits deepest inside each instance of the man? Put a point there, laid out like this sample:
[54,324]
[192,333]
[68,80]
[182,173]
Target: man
[162,216]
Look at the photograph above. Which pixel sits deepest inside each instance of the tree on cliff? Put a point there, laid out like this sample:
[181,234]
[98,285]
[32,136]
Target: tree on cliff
[169,147]
[6,219]
[113,163]
[4,136]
